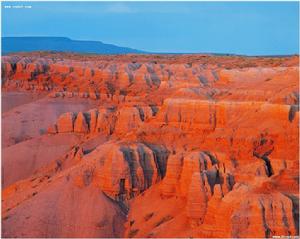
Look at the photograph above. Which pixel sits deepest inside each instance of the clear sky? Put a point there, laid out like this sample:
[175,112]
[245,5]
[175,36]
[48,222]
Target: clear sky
[252,28]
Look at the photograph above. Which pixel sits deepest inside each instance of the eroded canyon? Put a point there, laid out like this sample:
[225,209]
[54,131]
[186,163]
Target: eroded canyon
[149,146]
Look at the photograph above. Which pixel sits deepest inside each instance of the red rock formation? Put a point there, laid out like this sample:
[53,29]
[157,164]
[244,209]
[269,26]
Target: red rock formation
[174,168]
[65,123]
[81,125]
[197,201]
[186,146]
[93,122]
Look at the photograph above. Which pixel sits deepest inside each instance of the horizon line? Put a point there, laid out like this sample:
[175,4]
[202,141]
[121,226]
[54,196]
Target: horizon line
[145,52]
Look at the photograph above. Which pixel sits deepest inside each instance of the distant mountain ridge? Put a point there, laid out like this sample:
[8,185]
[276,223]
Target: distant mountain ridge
[60,44]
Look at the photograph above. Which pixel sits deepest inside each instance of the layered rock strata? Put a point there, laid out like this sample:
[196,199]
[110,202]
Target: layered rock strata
[183,145]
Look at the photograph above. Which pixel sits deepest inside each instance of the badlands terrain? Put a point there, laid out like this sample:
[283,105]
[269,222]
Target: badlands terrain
[149,146]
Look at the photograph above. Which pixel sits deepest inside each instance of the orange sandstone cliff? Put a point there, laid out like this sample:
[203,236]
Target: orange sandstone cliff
[149,146]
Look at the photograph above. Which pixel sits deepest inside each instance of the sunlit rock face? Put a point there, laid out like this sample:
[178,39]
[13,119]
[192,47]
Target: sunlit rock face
[149,146]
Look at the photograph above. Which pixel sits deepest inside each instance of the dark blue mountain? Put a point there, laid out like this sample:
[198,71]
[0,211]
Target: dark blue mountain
[60,44]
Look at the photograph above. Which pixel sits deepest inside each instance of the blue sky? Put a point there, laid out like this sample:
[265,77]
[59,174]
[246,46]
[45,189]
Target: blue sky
[252,28]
